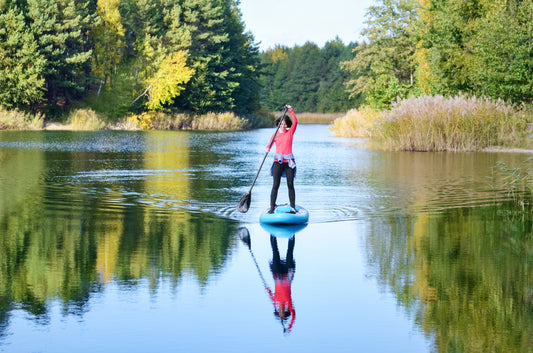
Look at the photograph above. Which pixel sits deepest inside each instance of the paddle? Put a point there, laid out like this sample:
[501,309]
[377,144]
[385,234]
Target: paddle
[244,203]
[244,235]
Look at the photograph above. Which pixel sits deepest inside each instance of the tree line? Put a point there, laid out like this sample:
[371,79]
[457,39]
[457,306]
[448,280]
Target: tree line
[478,48]
[121,56]
[308,77]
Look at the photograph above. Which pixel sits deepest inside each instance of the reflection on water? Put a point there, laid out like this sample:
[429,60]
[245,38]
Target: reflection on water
[85,214]
[282,269]
[465,275]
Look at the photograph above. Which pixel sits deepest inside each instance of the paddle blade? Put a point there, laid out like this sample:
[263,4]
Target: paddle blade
[244,235]
[244,203]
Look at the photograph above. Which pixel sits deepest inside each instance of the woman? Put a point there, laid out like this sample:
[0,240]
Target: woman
[284,164]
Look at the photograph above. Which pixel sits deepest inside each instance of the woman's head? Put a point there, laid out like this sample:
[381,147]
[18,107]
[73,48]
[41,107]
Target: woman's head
[287,120]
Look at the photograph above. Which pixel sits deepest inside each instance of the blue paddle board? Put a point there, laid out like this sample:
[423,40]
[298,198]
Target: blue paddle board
[282,215]
[283,230]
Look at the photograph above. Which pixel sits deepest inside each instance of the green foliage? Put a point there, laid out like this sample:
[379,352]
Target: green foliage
[444,47]
[108,35]
[61,29]
[383,67]
[224,58]
[481,48]
[21,64]
[503,64]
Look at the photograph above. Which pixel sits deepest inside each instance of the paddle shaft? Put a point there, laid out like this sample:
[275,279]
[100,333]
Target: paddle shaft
[269,147]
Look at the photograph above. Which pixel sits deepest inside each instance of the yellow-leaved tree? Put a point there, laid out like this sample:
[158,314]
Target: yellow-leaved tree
[168,82]
[109,40]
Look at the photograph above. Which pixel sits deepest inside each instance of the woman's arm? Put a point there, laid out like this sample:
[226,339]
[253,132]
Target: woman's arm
[294,120]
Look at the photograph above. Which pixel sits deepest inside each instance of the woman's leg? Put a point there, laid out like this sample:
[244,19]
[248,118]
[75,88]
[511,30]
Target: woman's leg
[277,170]
[289,173]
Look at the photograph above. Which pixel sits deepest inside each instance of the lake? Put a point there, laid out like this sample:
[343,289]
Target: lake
[120,241]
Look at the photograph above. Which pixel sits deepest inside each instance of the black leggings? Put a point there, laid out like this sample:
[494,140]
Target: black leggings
[277,170]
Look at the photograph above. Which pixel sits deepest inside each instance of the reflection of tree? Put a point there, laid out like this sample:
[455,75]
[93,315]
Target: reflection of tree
[61,241]
[420,182]
[43,258]
[465,274]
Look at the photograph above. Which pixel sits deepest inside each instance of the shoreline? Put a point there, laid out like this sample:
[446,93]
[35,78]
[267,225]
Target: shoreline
[54,126]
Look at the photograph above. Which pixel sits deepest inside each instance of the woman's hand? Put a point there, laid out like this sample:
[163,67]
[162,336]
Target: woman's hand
[288,107]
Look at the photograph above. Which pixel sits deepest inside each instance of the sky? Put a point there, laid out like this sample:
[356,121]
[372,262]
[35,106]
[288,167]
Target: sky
[294,22]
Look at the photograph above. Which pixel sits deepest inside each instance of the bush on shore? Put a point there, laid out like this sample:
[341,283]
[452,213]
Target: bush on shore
[85,119]
[17,120]
[436,123]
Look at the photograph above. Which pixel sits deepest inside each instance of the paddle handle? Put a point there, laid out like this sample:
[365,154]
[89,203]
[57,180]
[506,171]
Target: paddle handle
[269,147]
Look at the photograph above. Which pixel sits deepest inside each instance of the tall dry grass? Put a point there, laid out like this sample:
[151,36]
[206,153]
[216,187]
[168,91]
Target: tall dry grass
[85,119]
[318,118]
[17,120]
[356,123]
[220,121]
[436,123]
[164,121]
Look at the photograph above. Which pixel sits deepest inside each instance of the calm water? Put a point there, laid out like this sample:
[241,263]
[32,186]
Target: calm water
[131,242]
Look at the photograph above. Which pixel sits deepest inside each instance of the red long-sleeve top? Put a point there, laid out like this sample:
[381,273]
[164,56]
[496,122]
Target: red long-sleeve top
[282,295]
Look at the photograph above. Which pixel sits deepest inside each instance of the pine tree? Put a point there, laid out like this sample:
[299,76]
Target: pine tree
[61,29]
[21,64]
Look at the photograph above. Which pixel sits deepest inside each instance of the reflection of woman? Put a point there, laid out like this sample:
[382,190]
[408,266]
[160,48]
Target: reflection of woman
[283,273]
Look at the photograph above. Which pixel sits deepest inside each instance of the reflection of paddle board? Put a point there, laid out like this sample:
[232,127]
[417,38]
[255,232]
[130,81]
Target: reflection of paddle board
[283,230]
[282,215]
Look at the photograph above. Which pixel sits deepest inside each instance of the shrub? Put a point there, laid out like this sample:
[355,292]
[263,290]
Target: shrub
[17,120]
[85,119]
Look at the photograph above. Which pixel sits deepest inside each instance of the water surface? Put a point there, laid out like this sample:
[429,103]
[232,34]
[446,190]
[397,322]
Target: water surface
[129,241]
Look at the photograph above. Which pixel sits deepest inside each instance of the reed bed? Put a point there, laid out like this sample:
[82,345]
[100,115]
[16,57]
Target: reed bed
[17,120]
[436,123]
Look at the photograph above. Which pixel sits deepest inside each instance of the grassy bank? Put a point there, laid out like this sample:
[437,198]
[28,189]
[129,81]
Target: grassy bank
[435,123]
[88,119]
[318,118]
